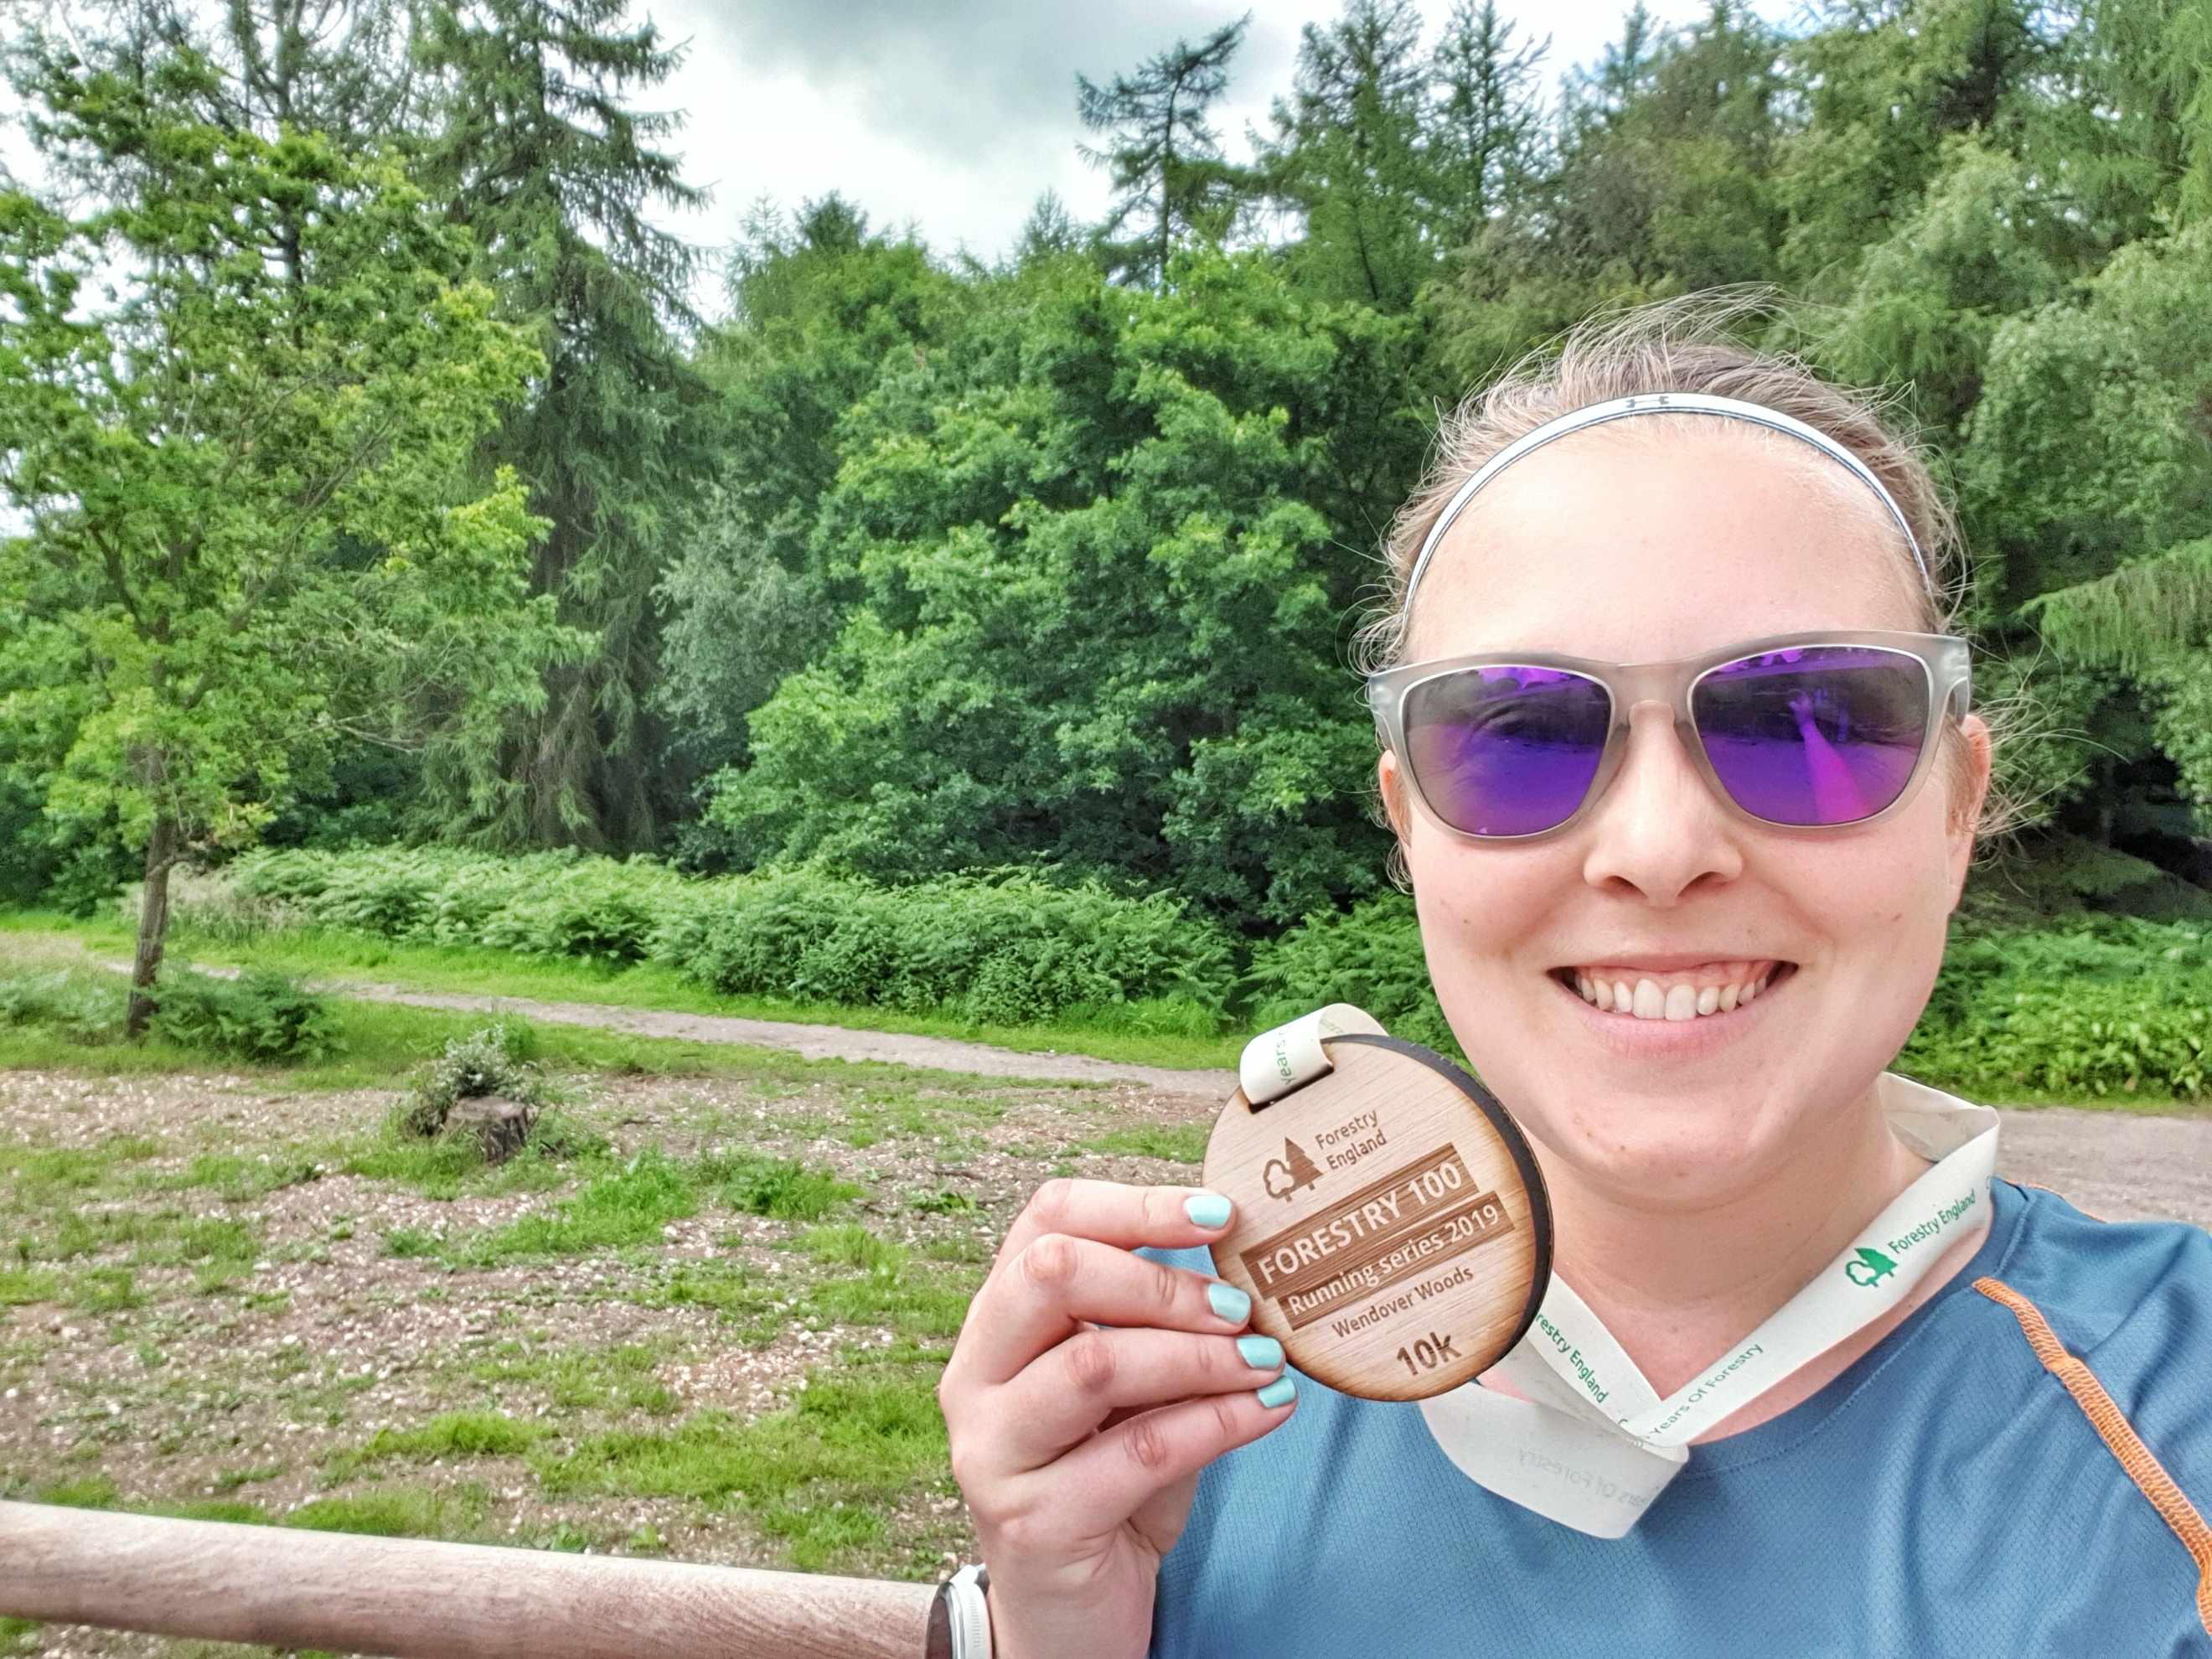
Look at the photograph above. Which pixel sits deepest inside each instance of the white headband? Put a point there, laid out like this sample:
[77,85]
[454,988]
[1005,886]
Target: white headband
[1665,402]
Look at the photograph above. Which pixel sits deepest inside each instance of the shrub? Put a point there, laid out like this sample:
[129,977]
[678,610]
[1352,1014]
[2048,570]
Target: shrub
[1001,949]
[2104,1005]
[81,1006]
[261,1015]
[1370,957]
[2109,1005]
[486,1063]
[557,904]
[471,1067]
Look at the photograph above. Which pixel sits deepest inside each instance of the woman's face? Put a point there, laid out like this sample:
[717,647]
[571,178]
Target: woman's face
[1645,542]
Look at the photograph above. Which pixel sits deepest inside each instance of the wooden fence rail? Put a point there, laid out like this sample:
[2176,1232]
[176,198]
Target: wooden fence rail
[409,1599]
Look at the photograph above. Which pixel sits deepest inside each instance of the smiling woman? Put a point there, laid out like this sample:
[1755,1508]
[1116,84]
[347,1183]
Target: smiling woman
[1682,769]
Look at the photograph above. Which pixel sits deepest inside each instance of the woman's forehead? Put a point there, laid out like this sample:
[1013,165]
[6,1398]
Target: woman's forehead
[1656,538]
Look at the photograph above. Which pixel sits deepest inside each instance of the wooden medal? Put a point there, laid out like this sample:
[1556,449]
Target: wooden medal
[1392,1228]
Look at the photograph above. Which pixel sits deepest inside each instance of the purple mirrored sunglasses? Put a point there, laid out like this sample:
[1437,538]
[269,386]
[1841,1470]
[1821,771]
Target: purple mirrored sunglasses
[1807,732]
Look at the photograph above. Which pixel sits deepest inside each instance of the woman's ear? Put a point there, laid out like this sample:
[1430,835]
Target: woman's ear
[1390,785]
[1969,785]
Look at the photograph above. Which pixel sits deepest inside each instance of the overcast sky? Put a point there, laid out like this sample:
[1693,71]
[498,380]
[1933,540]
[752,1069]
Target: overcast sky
[953,115]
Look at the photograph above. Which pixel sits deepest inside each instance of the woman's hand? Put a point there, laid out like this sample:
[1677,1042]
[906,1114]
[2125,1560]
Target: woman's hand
[1079,1447]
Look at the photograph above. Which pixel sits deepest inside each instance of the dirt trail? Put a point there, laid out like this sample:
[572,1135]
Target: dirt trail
[2119,1165]
[817,1041]
[2123,1166]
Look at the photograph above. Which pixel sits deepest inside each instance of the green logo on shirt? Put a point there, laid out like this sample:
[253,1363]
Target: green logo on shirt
[1870,1269]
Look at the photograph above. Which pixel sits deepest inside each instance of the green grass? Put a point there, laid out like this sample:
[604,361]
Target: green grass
[1178,1143]
[780,1188]
[744,1300]
[625,1206]
[328,955]
[618,1379]
[384,1042]
[395,1512]
[920,1300]
[848,1473]
[61,1205]
[617,1206]
[819,1474]
[457,1434]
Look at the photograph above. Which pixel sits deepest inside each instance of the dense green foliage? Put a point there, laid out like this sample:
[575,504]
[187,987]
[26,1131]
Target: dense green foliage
[1001,949]
[2095,1005]
[2112,1006]
[1043,564]
[259,1015]
[1098,596]
[983,600]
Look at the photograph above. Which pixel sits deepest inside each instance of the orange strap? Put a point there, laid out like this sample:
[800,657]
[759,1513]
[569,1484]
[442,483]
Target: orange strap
[2118,1435]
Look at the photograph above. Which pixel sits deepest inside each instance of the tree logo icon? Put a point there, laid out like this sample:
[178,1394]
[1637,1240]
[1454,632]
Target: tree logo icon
[1871,1267]
[1284,1175]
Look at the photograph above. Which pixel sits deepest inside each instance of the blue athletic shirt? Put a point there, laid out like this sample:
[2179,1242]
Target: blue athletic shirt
[1945,1496]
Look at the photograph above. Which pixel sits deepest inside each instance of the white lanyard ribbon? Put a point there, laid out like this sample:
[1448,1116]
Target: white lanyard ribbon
[1291,1056]
[1594,1444]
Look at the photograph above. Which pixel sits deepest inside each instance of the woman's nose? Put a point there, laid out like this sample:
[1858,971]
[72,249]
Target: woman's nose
[1657,828]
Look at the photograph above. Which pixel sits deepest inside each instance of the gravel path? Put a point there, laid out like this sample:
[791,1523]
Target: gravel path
[2123,1166]
[817,1041]
[2120,1166]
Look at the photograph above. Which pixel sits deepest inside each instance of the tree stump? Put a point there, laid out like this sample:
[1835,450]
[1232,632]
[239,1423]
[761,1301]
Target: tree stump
[498,1125]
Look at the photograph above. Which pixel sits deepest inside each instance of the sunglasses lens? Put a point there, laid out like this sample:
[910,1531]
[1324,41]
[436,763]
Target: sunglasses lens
[1820,735]
[1505,750]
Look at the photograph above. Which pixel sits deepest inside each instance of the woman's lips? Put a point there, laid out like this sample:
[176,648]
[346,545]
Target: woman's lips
[1681,993]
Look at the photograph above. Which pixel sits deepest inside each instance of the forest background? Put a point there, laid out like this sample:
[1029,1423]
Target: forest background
[377,486]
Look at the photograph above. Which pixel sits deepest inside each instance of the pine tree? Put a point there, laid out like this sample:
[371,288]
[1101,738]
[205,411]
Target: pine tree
[541,157]
[1488,117]
[1163,154]
[1348,155]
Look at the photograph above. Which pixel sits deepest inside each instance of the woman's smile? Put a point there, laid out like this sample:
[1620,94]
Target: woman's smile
[1646,1007]
[1657,988]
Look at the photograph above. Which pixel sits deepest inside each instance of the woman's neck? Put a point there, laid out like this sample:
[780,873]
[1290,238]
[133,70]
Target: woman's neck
[1677,1286]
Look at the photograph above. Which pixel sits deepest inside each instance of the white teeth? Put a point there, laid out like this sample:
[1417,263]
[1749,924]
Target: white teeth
[1648,999]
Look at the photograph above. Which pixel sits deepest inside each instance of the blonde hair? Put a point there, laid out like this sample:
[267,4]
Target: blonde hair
[1673,345]
[1683,345]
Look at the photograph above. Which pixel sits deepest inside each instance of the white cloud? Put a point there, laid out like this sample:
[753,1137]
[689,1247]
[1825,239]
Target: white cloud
[953,115]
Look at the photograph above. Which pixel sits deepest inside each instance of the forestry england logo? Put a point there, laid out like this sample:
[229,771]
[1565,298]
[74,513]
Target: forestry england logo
[1286,1175]
[1870,1269]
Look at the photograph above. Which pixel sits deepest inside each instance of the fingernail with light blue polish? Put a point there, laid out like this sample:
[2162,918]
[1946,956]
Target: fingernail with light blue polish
[1280,1392]
[1229,1302]
[1206,1210]
[1262,1353]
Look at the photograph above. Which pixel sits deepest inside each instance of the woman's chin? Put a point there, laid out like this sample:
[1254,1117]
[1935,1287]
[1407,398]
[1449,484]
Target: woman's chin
[1662,1153]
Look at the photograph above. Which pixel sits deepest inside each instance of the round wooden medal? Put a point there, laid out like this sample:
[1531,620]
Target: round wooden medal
[1392,1228]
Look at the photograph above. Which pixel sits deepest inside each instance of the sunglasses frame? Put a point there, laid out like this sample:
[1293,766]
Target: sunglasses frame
[1946,661]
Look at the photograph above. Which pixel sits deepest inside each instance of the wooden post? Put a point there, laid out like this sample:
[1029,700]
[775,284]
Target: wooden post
[416,1600]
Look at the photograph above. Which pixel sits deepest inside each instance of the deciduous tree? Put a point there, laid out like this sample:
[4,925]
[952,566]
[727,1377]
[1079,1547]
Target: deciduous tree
[238,397]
